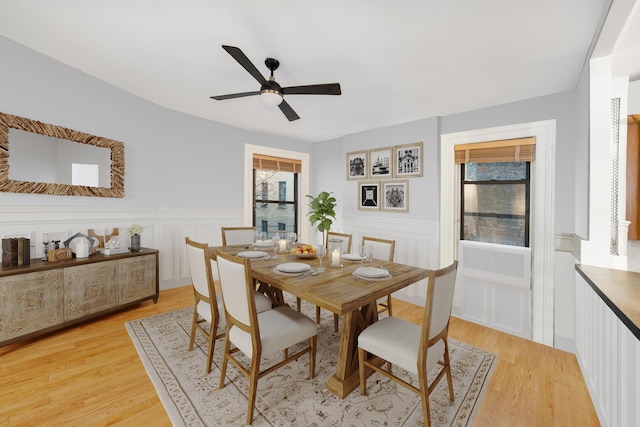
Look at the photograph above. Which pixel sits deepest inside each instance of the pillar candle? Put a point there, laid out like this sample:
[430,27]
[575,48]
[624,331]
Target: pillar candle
[335,257]
[283,245]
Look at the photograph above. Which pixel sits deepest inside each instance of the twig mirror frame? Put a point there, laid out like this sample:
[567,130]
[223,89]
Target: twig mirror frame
[8,121]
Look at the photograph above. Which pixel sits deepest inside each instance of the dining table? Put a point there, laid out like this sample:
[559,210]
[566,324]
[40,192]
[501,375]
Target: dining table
[338,289]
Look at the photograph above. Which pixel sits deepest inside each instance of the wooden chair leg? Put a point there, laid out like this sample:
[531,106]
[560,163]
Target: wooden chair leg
[253,386]
[313,346]
[212,345]
[299,304]
[194,322]
[362,369]
[448,371]
[317,314]
[424,396]
[335,323]
[389,305]
[225,360]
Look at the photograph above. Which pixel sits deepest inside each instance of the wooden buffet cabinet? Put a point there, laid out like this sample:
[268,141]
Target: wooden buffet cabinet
[45,296]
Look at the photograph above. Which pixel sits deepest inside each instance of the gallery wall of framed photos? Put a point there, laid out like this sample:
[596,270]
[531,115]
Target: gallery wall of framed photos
[382,174]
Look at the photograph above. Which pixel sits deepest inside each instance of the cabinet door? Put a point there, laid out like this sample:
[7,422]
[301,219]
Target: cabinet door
[90,289]
[137,278]
[30,302]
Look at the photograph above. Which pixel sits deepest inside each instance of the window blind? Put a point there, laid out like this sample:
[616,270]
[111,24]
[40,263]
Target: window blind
[507,150]
[276,163]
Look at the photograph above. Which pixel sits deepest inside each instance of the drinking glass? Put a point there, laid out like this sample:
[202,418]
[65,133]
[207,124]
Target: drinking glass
[369,249]
[362,251]
[293,237]
[276,246]
[260,238]
[321,251]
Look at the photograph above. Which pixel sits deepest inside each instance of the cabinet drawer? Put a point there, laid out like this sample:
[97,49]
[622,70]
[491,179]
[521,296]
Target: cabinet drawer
[90,289]
[30,302]
[137,278]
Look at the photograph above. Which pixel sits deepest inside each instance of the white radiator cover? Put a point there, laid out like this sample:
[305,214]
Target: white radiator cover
[493,287]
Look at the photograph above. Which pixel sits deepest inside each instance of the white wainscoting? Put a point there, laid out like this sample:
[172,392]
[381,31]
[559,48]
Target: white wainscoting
[493,287]
[609,356]
[164,229]
[417,243]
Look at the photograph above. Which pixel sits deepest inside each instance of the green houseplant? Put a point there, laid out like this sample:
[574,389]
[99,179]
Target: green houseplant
[321,211]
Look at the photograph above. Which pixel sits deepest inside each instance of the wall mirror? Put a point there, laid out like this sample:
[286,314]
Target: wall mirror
[40,158]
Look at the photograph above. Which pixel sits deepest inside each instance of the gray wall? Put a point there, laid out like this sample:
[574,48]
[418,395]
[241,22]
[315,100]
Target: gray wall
[174,159]
[171,159]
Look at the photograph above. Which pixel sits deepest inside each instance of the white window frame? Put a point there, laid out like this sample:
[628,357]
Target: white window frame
[303,184]
[542,238]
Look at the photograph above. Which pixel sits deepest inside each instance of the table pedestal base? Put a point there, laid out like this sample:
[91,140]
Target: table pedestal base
[346,378]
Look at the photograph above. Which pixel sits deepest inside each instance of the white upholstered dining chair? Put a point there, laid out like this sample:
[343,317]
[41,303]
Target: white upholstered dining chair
[208,308]
[418,349]
[382,249]
[238,235]
[258,334]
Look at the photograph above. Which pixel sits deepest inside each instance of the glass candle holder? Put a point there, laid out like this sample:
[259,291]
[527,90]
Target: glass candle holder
[335,254]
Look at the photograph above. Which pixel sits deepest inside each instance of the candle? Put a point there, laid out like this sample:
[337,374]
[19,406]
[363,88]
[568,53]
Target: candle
[335,258]
[283,245]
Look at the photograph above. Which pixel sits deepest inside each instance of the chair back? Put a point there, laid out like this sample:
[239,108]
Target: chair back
[237,235]
[382,248]
[200,267]
[345,240]
[440,289]
[237,288]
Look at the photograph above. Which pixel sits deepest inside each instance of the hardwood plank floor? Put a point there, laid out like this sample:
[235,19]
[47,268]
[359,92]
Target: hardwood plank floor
[91,375]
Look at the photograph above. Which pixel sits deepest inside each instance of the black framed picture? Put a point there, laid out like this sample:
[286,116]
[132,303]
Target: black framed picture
[357,165]
[369,195]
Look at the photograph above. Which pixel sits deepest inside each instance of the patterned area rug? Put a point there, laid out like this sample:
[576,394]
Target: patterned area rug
[287,397]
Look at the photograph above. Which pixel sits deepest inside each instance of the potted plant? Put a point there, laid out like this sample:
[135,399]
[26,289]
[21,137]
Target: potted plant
[321,211]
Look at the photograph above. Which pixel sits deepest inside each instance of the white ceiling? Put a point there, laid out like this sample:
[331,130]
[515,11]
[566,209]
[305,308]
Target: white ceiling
[396,61]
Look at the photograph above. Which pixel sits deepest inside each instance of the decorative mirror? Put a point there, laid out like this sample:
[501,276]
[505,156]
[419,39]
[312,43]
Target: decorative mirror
[49,159]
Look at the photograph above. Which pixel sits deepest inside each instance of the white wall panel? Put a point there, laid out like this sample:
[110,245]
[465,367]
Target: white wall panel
[609,356]
[416,244]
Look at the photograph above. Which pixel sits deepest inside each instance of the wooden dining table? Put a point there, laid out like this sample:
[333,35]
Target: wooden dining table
[339,291]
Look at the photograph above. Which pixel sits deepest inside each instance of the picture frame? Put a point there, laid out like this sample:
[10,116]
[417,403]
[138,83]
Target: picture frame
[381,162]
[407,160]
[369,195]
[357,165]
[395,196]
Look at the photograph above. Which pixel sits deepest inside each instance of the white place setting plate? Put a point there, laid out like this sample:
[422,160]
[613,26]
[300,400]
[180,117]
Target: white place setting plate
[263,244]
[293,267]
[253,254]
[372,272]
[351,257]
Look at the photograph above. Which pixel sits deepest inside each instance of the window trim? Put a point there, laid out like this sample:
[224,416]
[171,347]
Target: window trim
[303,184]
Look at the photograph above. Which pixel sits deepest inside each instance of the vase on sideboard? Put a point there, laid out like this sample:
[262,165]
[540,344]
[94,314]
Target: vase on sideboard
[135,242]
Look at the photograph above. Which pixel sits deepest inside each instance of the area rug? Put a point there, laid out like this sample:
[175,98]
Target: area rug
[287,397]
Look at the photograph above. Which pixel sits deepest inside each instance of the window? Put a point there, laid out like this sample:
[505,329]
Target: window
[495,202]
[275,194]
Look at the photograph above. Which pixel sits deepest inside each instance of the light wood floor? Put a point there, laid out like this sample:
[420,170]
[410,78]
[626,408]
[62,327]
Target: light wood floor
[91,375]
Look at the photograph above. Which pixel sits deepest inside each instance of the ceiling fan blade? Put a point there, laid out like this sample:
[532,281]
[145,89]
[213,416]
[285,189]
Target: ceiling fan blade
[322,89]
[242,59]
[288,111]
[235,95]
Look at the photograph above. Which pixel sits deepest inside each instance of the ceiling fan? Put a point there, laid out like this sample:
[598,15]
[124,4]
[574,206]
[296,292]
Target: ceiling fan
[270,91]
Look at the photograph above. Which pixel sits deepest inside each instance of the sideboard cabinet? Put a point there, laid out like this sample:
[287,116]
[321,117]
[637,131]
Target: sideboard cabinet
[44,296]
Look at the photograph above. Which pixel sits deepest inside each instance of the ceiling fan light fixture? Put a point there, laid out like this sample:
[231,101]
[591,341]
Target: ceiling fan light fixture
[271,97]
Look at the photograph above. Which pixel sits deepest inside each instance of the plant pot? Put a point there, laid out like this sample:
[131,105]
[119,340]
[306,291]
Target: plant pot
[135,242]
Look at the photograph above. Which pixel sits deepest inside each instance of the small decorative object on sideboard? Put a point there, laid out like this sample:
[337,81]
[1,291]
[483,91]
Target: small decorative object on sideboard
[15,251]
[112,247]
[77,239]
[134,231]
